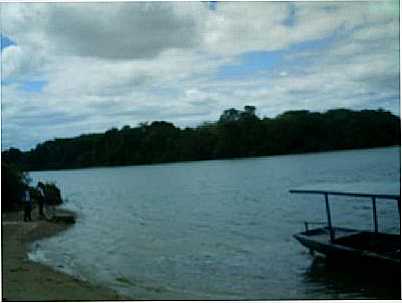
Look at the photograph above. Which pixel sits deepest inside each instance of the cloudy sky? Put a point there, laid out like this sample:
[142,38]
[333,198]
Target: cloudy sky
[73,68]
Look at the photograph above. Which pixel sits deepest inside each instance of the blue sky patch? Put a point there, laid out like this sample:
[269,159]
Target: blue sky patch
[313,44]
[5,42]
[250,63]
[33,86]
[5,82]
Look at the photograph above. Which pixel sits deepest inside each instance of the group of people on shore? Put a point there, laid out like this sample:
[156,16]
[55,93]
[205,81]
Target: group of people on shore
[28,203]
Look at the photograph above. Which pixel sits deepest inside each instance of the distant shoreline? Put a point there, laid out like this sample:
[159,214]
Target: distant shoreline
[236,134]
[223,159]
[25,280]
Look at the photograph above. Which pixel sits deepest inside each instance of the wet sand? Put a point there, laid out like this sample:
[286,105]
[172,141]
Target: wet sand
[24,280]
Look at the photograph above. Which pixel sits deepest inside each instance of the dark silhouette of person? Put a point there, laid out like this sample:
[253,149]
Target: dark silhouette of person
[26,198]
[42,199]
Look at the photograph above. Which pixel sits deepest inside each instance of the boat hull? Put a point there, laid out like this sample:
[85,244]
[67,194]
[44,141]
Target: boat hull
[355,247]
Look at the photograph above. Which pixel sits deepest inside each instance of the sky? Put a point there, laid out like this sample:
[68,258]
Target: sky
[74,68]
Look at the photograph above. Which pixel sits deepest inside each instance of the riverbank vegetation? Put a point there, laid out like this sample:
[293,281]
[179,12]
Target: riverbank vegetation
[237,133]
[14,181]
[51,191]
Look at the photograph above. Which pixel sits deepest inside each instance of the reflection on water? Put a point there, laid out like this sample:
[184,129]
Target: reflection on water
[214,229]
[339,279]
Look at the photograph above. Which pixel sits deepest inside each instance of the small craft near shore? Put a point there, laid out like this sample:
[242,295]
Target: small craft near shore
[61,216]
[352,246]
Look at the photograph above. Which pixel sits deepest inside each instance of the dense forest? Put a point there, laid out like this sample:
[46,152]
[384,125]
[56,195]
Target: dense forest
[237,133]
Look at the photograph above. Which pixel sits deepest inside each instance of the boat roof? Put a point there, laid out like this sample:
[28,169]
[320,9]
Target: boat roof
[384,190]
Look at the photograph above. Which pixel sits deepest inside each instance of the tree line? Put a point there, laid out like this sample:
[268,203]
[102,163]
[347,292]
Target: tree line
[237,133]
[14,182]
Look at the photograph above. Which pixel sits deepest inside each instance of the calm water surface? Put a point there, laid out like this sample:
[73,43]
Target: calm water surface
[214,229]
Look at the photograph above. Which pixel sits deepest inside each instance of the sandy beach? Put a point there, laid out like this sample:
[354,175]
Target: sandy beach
[24,280]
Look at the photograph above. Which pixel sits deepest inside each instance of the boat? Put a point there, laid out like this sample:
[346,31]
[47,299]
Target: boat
[352,246]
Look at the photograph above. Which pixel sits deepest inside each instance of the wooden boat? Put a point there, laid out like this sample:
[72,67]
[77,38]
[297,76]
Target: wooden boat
[351,245]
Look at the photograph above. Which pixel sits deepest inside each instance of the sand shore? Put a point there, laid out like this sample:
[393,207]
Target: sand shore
[24,280]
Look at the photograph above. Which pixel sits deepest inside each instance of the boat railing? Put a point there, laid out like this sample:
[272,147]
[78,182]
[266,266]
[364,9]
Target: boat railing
[307,223]
[372,197]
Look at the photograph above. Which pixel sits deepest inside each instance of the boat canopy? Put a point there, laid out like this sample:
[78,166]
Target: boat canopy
[389,190]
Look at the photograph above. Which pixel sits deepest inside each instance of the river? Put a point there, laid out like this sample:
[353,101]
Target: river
[215,229]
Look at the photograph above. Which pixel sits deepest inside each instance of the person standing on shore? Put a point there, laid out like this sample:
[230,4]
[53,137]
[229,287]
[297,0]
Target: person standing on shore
[42,199]
[27,205]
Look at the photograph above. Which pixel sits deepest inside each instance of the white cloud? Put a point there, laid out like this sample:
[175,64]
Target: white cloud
[110,64]
[105,30]
[237,27]
[18,62]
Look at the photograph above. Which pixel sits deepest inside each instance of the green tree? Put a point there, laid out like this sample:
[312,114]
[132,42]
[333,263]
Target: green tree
[237,133]
[13,182]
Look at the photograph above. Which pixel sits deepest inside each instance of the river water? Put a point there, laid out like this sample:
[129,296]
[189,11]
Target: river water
[215,229]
